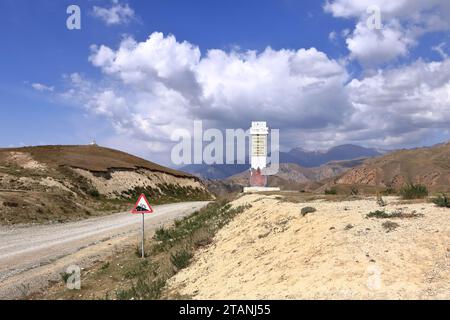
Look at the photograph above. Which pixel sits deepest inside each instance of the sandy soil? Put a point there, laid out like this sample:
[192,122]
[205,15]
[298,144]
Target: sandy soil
[31,256]
[126,180]
[272,252]
[25,161]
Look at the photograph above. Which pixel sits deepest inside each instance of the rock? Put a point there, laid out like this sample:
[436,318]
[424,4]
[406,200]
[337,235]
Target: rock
[307,210]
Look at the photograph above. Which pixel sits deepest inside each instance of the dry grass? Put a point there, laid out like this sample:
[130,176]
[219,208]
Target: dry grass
[92,158]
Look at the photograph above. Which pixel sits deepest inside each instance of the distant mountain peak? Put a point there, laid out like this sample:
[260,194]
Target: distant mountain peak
[320,157]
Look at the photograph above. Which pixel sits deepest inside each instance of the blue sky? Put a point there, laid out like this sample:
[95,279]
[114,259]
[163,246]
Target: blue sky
[326,80]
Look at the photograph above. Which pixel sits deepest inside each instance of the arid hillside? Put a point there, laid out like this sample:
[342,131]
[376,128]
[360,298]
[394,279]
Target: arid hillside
[294,177]
[336,249]
[60,183]
[427,166]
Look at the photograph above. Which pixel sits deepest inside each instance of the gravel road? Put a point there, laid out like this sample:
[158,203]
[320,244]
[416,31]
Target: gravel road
[31,256]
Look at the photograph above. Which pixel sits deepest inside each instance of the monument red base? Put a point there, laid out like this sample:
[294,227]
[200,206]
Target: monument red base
[257,179]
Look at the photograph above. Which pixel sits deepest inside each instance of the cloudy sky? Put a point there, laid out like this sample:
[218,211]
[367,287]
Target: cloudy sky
[320,71]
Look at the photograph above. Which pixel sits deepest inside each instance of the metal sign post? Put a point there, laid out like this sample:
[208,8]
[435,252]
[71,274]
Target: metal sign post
[143,233]
[142,206]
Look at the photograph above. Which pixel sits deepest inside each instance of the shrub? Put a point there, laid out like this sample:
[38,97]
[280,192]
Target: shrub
[388,191]
[105,266]
[10,204]
[380,200]
[442,201]
[163,234]
[143,289]
[331,191]
[386,215]
[354,191]
[93,193]
[66,275]
[307,210]
[390,226]
[181,259]
[138,252]
[414,191]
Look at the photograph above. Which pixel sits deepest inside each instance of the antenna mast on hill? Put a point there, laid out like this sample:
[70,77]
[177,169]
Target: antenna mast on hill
[93,143]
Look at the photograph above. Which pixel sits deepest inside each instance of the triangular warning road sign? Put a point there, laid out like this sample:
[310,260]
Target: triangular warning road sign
[142,206]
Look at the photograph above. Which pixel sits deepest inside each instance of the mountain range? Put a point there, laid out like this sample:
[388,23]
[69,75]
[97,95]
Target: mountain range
[429,166]
[297,156]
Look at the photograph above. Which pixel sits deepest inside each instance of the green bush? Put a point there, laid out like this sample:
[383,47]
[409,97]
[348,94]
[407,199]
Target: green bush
[162,234]
[396,214]
[66,275]
[354,191]
[414,191]
[388,191]
[93,193]
[181,259]
[442,201]
[138,251]
[331,191]
[143,289]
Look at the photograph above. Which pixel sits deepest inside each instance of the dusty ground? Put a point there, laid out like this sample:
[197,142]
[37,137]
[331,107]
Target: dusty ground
[120,181]
[271,251]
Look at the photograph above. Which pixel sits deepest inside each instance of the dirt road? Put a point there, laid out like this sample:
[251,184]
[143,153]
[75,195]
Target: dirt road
[31,256]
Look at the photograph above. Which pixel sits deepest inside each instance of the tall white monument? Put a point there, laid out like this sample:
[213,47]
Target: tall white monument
[259,133]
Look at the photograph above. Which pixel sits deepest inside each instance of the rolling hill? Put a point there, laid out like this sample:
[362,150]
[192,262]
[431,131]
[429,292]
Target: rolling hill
[291,176]
[60,183]
[312,159]
[429,166]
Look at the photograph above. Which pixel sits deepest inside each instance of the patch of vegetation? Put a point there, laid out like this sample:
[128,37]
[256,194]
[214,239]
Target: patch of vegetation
[414,191]
[389,191]
[307,210]
[354,191]
[66,275]
[331,191]
[105,266]
[168,193]
[380,200]
[93,193]
[442,201]
[138,252]
[150,289]
[348,227]
[381,214]
[181,259]
[173,250]
[390,226]
[10,204]
[208,220]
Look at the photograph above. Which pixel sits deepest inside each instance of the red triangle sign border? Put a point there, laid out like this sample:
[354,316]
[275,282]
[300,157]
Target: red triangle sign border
[142,196]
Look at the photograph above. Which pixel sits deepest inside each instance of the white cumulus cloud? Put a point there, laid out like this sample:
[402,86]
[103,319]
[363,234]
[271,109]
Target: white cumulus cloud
[403,23]
[150,88]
